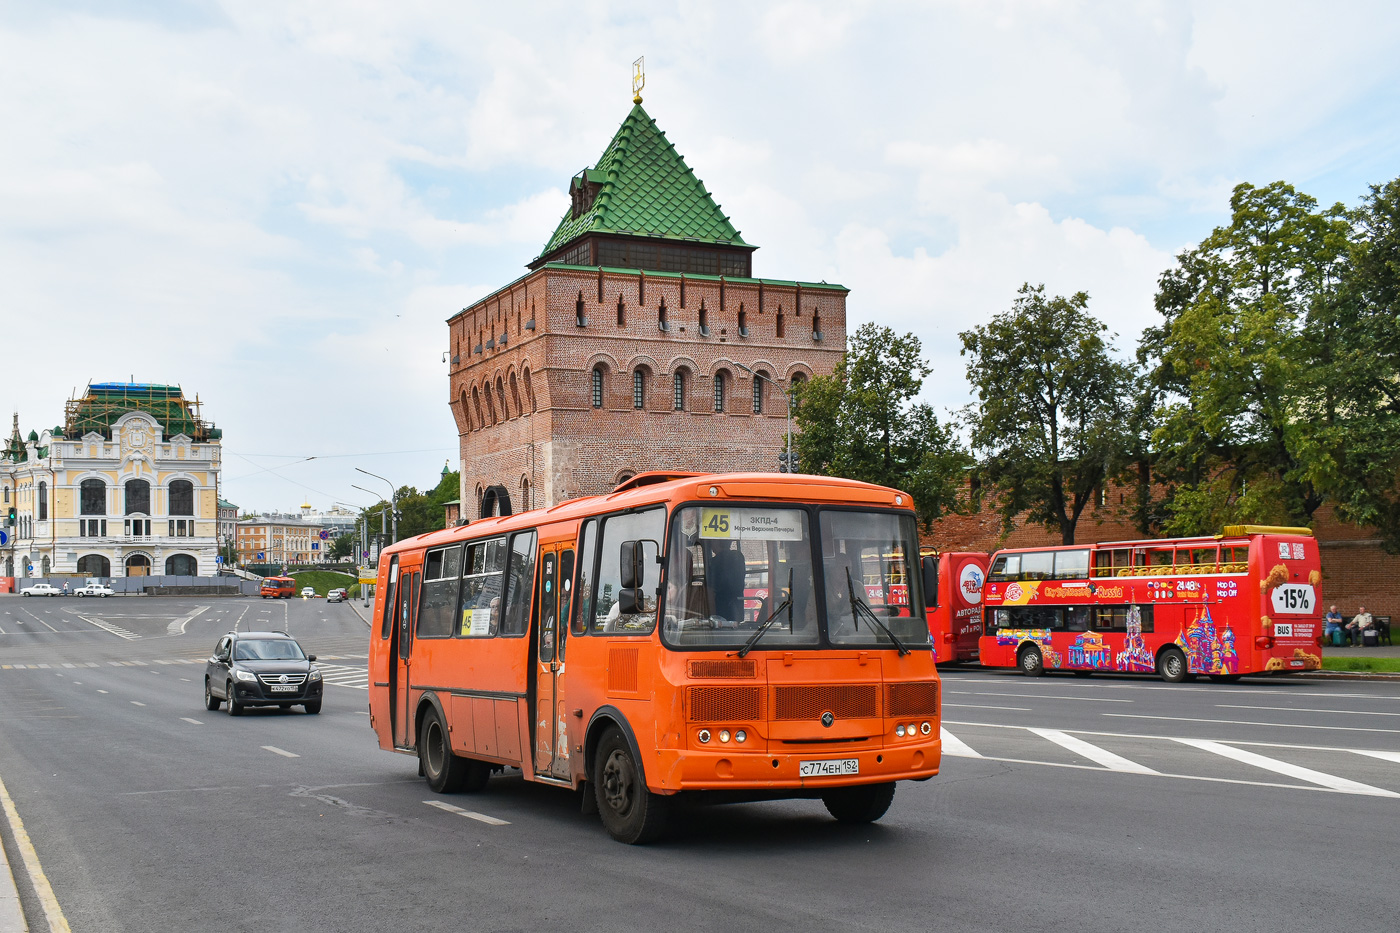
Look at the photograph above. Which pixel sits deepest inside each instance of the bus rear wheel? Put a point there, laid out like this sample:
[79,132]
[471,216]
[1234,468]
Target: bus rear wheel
[864,803]
[630,812]
[1171,666]
[445,771]
[1030,661]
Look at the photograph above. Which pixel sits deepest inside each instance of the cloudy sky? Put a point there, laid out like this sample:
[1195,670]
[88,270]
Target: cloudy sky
[277,205]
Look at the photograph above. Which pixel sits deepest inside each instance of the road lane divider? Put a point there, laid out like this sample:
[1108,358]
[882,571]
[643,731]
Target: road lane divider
[178,626]
[1383,756]
[33,869]
[280,751]
[1092,752]
[1246,722]
[469,814]
[137,703]
[193,722]
[1286,769]
[1299,709]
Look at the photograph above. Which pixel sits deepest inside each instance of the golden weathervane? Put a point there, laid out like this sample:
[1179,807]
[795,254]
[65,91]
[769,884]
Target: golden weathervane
[639,78]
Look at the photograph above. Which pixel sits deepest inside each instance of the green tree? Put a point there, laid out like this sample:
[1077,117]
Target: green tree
[1244,325]
[1352,401]
[342,546]
[862,423]
[1050,421]
[418,512]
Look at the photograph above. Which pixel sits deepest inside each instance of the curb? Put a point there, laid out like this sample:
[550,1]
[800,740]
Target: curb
[49,908]
[351,603]
[1355,675]
[11,917]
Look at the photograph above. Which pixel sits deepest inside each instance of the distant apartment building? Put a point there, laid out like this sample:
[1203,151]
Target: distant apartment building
[280,540]
[126,486]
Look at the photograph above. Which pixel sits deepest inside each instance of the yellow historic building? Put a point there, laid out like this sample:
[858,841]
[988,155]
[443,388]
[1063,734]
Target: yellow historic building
[127,486]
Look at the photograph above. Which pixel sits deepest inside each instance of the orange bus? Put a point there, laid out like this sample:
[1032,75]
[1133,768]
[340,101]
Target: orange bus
[953,586]
[605,644]
[1246,601]
[277,587]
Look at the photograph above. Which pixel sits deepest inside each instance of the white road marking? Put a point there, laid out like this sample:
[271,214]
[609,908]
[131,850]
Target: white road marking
[37,619]
[952,745]
[1092,752]
[1016,709]
[187,719]
[1283,767]
[1296,709]
[1046,696]
[137,703]
[1243,722]
[1383,756]
[469,814]
[178,626]
[102,691]
[280,751]
[116,630]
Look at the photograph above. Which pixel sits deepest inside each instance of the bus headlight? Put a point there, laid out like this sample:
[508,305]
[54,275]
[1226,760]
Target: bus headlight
[740,736]
[704,736]
[899,731]
[926,728]
[724,735]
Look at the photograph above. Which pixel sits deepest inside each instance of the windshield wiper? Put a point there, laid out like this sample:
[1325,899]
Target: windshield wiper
[858,603]
[785,604]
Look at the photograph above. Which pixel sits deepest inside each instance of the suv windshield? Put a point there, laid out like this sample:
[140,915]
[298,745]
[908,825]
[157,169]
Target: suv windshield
[268,649]
[871,557]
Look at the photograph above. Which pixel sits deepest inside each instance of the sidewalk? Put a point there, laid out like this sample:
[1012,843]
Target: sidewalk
[11,917]
[1384,651]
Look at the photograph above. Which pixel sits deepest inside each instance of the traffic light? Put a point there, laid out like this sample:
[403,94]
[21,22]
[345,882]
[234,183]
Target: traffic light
[10,518]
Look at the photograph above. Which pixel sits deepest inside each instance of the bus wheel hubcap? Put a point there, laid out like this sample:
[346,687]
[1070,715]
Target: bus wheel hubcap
[617,782]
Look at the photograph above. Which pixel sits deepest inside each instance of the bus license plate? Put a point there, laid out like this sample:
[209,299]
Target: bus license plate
[823,768]
[281,689]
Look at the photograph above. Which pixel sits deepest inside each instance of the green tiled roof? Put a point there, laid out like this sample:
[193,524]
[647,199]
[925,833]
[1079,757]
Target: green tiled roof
[647,190]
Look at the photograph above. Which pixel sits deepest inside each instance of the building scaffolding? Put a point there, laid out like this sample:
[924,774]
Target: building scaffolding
[105,402]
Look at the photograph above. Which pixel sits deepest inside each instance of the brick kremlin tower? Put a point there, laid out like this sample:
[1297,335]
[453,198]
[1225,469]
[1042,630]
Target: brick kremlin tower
[630,344]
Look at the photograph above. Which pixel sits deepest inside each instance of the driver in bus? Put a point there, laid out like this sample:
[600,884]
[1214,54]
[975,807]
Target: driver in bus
[725,571]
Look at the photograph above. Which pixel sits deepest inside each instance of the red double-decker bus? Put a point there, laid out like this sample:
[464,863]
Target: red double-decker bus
[954,581]
[1243,602]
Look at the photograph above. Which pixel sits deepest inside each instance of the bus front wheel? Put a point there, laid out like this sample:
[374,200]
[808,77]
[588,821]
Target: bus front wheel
[1030,661]
[1171,666]
[864,803]
[630,812]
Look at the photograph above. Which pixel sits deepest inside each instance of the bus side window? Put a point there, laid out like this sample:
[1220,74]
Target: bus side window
[1159,557]
[1007,567]
[646,529]
[587,564]
[520,584]
[441,576]
[1037,565]
[1236,558]
[1071,565]
[1077,618]
[1103,563]
[389,593]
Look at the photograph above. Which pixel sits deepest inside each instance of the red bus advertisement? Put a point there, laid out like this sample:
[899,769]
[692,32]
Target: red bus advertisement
[1243,602]
[278,587]
[953,581]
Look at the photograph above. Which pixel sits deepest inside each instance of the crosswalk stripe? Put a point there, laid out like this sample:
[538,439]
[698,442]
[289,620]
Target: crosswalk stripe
[1383,756]
[1283,767]
[1101,755]
[952,745]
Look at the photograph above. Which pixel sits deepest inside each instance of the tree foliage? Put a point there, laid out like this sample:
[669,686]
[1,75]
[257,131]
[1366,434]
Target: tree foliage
[342,546]
[862,422]
[1051,418]
[418,512]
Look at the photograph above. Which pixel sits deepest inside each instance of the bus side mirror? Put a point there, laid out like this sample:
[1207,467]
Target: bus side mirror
[627,601]
[630,565]
[930,565]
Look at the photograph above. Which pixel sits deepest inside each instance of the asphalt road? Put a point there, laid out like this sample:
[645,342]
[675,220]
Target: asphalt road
[1102,803]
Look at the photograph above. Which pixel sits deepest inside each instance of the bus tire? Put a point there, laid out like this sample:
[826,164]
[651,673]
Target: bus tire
[630,812]
[444,770]
[864,803]
[1030,661]
[1171,665]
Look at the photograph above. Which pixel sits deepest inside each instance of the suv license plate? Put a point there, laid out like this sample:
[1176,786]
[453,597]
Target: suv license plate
[822,768]
[281,689]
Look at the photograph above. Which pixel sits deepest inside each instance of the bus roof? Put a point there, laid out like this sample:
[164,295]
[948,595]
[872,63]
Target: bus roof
[1228,533]
[726,486]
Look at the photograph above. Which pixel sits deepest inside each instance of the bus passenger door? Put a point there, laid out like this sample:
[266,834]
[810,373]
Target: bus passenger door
[551,727]
[407,614]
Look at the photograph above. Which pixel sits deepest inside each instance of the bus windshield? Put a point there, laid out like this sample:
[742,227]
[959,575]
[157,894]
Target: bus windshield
[733,568]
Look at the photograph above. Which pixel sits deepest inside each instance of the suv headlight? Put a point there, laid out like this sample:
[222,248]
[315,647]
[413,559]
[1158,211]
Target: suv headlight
[314,675]
[246,676]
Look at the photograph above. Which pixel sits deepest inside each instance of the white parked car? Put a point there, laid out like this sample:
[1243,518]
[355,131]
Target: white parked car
[41,589]
[93,589]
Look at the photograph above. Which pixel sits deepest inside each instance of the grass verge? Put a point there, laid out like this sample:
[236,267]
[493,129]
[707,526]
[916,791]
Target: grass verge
[322,580]
[1381,665]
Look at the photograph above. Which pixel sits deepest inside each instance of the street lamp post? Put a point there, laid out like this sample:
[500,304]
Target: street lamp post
[787,397]
[382,532]
[393,500]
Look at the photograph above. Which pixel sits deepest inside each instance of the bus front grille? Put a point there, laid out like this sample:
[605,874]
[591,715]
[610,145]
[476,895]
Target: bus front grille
[725,704]
[844,701]
[723,667]
[916,699]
